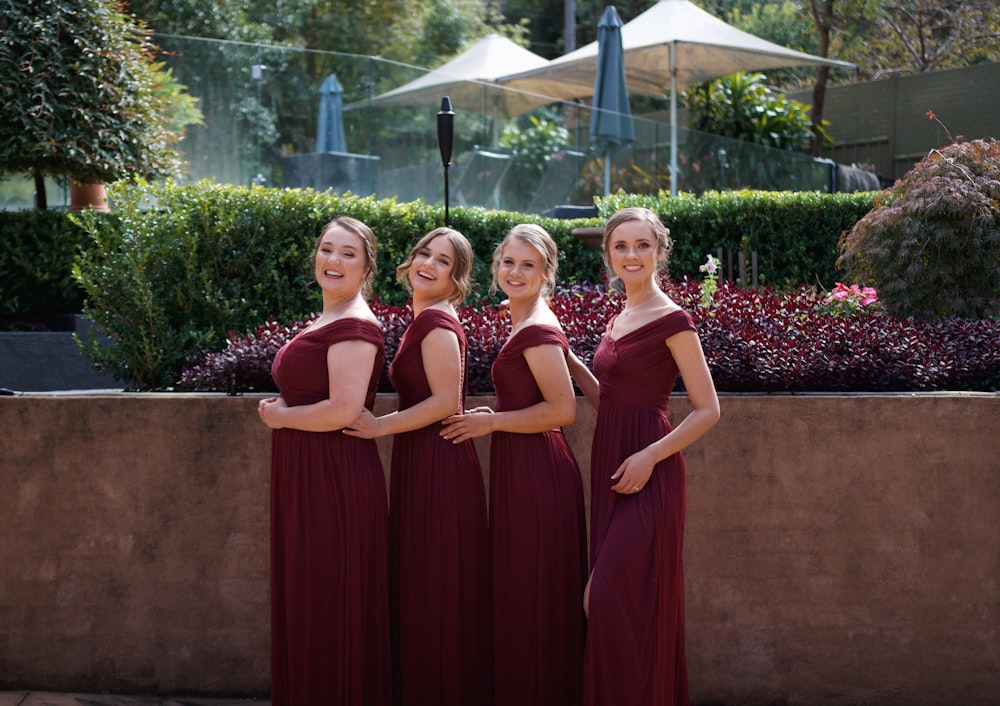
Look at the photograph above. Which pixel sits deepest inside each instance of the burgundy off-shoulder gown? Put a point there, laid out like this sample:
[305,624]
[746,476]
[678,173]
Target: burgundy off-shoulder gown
[538,544]
[329,545]
[635,635]
[437,529]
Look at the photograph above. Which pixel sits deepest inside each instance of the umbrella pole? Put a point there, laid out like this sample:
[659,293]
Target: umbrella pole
[673,118]
[607,173]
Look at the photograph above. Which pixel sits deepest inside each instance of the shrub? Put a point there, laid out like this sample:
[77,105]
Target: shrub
[166,282]
[742,106]
[175,268]
[931,246]
[36,260]
[794,234]
[754,341]
[532,143]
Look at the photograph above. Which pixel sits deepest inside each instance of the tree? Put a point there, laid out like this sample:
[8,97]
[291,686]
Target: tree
[918,36]
[81,98]
[931,246]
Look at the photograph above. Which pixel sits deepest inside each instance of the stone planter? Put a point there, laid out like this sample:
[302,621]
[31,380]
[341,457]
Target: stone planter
[83,196]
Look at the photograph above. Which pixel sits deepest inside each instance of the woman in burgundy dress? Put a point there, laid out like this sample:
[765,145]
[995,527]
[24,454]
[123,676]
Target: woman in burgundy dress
[635,595]
[329,583]
[437,516]
[537,522]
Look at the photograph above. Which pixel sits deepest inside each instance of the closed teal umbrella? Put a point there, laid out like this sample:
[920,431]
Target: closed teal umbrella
[330,127]
[611,122]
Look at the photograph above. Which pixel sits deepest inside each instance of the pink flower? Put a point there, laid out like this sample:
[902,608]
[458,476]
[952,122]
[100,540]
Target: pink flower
[840,292]
[868,296]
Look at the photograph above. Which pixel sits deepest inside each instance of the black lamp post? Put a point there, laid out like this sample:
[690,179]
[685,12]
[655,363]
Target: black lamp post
[446,139]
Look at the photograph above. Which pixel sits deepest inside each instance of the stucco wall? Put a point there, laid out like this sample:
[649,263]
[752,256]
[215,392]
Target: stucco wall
[839,549]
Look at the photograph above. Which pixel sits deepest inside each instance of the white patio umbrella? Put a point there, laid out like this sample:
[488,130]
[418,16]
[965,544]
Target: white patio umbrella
[669,47]
[469,80]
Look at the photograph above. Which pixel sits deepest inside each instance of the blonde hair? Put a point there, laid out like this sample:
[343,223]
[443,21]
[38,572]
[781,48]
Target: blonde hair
[664,245]
[353,225]
[461,266]
[538,238]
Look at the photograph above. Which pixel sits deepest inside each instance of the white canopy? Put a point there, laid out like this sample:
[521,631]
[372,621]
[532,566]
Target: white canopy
[704,47]
[469,80]
[669,47]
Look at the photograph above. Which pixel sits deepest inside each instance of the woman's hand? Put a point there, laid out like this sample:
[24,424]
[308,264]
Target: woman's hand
[477,410]
[634,473]
[269,410]
[462,427]
[364,427]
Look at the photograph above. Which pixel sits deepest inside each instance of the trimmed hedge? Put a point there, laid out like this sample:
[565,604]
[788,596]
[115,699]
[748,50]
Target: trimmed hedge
[175,268]
[36,260]
[795,234]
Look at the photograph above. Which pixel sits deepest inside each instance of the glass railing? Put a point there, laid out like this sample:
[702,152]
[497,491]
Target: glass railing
[262,106]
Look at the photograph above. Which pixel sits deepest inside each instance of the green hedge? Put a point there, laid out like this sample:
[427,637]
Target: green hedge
[175,268]
[795,234]
[36,258]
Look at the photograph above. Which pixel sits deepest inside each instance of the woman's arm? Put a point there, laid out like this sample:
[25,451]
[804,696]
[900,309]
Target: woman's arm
[685,348]
[584,379]
[349,366]
[557,408]
[443,367]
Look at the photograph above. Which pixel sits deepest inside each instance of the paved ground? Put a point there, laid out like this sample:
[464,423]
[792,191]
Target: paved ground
[49,698]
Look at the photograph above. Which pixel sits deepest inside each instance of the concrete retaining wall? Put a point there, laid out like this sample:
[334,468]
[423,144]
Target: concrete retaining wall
[839,549]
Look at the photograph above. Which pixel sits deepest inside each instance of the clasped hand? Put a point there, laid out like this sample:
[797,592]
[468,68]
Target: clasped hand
[268,410]
[364,427]
[473,423]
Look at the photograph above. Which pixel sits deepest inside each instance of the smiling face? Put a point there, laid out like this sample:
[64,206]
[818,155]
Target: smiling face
[521,270]
[431,268]
[633,252]
[341,263]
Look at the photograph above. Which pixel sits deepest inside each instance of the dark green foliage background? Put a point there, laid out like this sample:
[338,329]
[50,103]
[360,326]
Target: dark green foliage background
[36,260]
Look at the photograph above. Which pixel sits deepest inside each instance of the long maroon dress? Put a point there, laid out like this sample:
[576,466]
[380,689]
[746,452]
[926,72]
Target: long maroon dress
[329,547]
[635,633]
[538,545]
[437,529]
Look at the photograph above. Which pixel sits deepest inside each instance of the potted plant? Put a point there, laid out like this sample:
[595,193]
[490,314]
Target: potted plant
[85,100]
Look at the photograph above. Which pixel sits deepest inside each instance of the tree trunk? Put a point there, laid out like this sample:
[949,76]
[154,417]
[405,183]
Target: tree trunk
[41,203]
[822,13]
[569,26]
[819,98]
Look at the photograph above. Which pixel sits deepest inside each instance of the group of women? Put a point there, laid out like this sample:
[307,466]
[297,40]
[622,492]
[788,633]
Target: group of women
[430,599]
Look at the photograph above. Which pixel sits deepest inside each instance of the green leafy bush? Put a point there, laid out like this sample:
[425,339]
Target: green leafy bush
[741,106]
[175,269]
[36,258]
[931,246]
[793,233]
[532,145]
